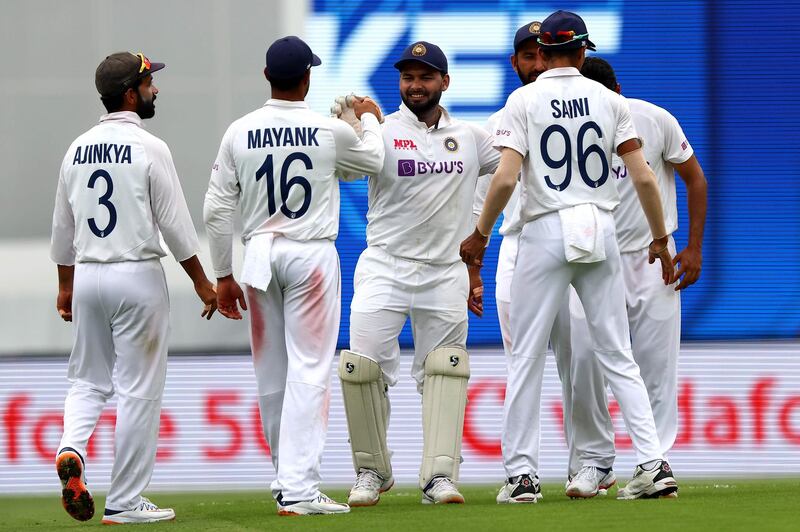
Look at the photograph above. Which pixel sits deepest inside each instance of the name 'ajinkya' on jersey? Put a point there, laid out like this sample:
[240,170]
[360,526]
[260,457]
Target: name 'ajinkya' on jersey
[420,204]
[664,145]
[567,127]
[116,189]
[281,162]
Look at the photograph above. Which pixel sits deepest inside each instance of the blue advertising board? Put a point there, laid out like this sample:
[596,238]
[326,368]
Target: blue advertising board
[689,57]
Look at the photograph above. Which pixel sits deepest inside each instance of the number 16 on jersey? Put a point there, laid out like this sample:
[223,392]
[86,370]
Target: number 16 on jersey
[286,184]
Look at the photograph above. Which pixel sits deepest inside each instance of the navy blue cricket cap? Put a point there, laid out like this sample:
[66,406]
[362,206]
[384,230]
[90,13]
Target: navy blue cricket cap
[425,53]
[564,30]
[290,57]
[527,32]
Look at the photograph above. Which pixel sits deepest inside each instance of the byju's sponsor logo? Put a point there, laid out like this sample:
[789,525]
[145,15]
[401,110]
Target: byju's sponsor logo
[409,167]
[406,167]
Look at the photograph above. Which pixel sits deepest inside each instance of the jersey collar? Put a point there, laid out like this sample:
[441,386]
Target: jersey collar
[559,72]
[286,104]
[128,117]
[411,118]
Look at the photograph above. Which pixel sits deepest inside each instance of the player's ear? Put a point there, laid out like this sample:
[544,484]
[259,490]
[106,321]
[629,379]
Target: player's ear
[445,82]
[513,58]
[131,96]
[266,73]
[618,89]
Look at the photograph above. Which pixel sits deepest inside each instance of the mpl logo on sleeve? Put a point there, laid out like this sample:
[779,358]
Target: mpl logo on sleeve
[404,144]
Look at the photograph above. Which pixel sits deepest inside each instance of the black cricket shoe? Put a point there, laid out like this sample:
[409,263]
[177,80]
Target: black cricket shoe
[520,489]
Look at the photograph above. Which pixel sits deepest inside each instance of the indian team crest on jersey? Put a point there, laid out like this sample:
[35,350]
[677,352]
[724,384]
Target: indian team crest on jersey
[419,50]
[450,144]
[535,27]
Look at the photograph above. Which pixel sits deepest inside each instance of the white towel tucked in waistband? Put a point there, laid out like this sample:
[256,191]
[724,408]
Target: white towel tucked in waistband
[583,234]
[257,267]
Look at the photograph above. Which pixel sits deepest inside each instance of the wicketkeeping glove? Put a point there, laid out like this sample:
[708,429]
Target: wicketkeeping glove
[342,109]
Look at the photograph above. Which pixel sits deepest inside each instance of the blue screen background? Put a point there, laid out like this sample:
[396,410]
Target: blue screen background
[727,71]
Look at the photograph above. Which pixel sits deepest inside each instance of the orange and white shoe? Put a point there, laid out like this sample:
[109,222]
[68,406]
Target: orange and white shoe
[368,488]
[75,496]
[441,490]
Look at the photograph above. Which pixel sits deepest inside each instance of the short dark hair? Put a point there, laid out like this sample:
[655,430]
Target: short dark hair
[286,84]
[599,70]
[113,103]
[549,52]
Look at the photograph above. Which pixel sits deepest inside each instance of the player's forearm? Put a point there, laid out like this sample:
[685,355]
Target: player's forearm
[367,156]
[66,274]
[696,196]
[500,190]
[644,180]
[696,191]
[218,218]
[62,249]
[194,269]
[178,230]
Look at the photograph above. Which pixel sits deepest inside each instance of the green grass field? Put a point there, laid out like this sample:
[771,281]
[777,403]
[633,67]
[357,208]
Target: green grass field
[754,505]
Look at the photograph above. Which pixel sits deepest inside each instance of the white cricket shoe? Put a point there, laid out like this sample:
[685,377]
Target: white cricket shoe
[75,496]
[441,490]
[322,504]
[651,484]
[368,488]
[590,481]
[520,489]
[146,512]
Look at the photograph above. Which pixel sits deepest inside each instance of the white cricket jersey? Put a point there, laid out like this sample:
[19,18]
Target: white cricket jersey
[117,188]
[567,127]
[420,204]
[281,163]
[664,145]
[510,223]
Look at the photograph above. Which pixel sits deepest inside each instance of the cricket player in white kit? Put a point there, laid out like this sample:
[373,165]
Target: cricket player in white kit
[279,164]
[564,129]
[654,310]
[117,191]
[528,64]
[420,208]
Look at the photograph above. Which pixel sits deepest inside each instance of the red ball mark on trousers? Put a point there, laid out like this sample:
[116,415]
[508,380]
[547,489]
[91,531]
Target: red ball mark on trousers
[316,308]
[326,407]
[257,323]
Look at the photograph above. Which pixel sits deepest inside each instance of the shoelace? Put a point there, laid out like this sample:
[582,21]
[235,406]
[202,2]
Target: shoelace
[442,484]
[324,498]
[147,504]
[367,480]
[587,473]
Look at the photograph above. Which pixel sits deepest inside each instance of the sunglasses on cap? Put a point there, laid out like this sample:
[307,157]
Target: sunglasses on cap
[561,37]
[145,62]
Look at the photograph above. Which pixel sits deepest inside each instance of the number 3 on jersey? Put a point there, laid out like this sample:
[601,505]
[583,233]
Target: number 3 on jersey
[286,184]
[104,201]
[583,156]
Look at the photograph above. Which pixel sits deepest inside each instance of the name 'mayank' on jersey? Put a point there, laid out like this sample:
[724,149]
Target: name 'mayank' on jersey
[102,154]
[276,137]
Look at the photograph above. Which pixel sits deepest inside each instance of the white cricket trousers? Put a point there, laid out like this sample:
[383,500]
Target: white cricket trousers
[388,290]
[294,326]
[120,312]
[541,278]
[654,315]
[527,442]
